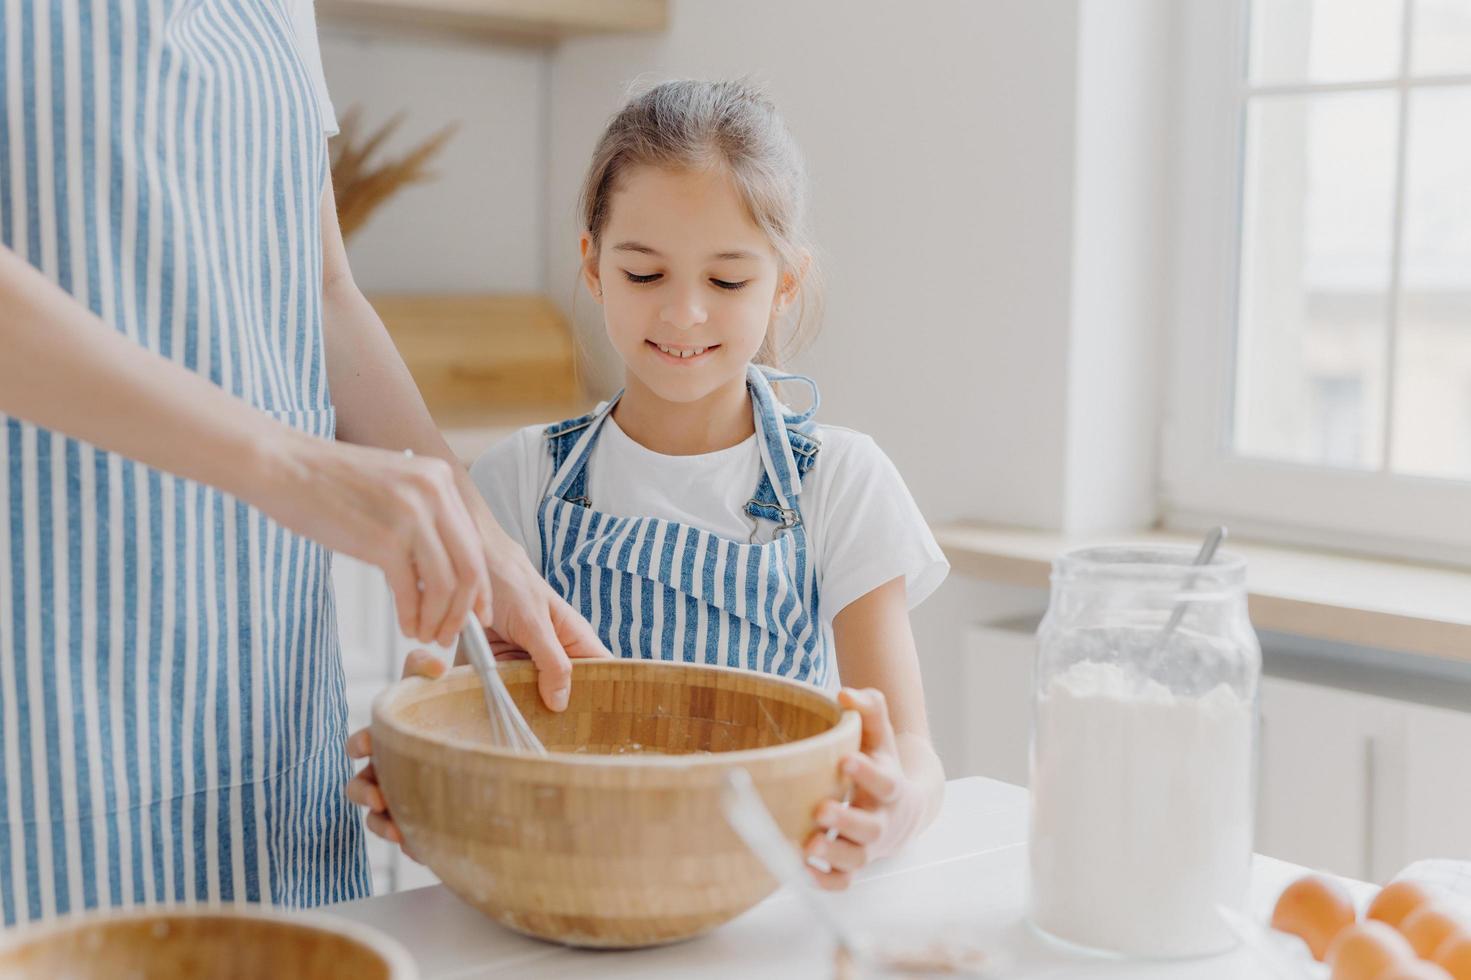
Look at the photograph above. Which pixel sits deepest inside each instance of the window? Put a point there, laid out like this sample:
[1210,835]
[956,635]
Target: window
[1323,291]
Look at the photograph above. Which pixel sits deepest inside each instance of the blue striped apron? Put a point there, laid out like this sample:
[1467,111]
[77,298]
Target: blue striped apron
[172,709]
[660,590]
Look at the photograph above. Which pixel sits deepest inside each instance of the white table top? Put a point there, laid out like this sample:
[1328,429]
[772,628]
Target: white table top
[964,880]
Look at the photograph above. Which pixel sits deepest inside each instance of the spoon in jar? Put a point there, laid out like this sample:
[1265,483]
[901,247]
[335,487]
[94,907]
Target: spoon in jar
[1202,557]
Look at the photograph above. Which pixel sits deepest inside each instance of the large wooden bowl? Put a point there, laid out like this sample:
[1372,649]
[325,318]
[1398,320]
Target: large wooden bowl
[233,942]
[602,843]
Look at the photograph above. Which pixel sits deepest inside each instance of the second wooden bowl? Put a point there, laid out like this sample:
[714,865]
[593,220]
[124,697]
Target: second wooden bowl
[229,942]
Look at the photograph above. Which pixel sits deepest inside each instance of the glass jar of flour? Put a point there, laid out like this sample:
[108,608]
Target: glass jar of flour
[1143,752]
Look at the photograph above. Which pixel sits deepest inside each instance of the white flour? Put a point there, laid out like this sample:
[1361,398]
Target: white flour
[1141,813]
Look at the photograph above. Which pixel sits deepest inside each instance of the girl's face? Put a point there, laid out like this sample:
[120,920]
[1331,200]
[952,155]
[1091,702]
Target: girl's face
[689,284]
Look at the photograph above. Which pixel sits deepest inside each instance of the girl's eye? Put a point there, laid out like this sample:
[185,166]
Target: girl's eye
[634,277]
[730,285]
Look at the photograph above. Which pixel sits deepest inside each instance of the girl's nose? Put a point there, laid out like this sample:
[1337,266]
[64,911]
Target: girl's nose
[683,312]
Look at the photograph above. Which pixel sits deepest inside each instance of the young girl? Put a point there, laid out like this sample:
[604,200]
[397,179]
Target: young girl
[694,516]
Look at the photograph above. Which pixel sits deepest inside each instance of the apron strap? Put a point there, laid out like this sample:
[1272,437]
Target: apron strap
[774,376]
[787,452]
[571,444]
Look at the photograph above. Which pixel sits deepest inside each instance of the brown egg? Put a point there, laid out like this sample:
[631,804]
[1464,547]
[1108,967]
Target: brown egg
[1414,970]
[1397,900]
[1455,956]
[1429,926]
[1368,950]
[1314,909]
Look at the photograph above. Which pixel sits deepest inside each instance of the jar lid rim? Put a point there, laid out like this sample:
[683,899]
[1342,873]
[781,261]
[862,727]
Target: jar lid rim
[1144,560]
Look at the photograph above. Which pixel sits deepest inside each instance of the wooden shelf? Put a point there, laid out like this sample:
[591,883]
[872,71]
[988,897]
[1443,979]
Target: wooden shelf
[1390,605]
[477,356]
[535,21]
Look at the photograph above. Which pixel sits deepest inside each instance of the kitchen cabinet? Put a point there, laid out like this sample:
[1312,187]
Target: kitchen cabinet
[1435,813]
[1359,784]
[997,677]
[1330,770]
[1350,783]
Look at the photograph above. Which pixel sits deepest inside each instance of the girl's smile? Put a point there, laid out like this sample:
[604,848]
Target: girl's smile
[682,355]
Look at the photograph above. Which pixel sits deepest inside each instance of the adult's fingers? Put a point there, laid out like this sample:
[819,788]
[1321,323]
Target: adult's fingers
[422,663]
[556,640]
[460,603]
[575,634]
[462,544]
[438,580]
[499,647]
[403,582]
[553,669]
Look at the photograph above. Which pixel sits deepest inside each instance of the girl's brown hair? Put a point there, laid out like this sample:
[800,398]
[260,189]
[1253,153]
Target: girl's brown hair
[695,125]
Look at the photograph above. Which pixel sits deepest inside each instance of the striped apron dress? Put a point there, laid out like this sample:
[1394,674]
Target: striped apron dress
[172,708]
[660,590]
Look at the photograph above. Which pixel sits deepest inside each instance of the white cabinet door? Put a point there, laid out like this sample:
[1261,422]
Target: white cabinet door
[997,678]
[1437,797]
[1330,775]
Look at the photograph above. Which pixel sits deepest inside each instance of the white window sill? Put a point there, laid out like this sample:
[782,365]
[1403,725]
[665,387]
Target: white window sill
[1413,608]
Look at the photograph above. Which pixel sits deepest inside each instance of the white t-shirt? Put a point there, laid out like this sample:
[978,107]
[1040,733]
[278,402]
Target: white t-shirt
[863,525]
[304,23]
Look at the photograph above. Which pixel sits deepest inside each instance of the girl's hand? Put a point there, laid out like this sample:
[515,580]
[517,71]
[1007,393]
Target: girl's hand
[887,807]
[399,512]
[363,788]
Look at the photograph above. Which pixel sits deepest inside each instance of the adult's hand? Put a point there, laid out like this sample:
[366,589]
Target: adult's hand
[399,512]
[530,619]
[379,405]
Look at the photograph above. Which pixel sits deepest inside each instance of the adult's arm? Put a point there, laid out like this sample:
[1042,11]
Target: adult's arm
[378,404]
[62,368]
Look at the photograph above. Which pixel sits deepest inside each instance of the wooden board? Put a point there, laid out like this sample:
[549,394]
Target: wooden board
[474,355]
[536,21]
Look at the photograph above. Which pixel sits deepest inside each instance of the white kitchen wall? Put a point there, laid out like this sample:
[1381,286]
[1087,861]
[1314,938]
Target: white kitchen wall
[939,139]
[479,225]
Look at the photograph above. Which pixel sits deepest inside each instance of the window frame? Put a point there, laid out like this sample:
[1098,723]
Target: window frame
[1202,480]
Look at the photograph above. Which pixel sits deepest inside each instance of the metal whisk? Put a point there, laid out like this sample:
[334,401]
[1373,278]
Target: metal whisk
[508,727]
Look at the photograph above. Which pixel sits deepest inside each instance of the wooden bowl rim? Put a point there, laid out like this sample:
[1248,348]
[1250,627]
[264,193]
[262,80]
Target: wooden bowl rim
[400,964]
[403,692]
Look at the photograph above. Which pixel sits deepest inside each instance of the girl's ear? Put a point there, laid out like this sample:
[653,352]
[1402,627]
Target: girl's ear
[791,283]
[590,276]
